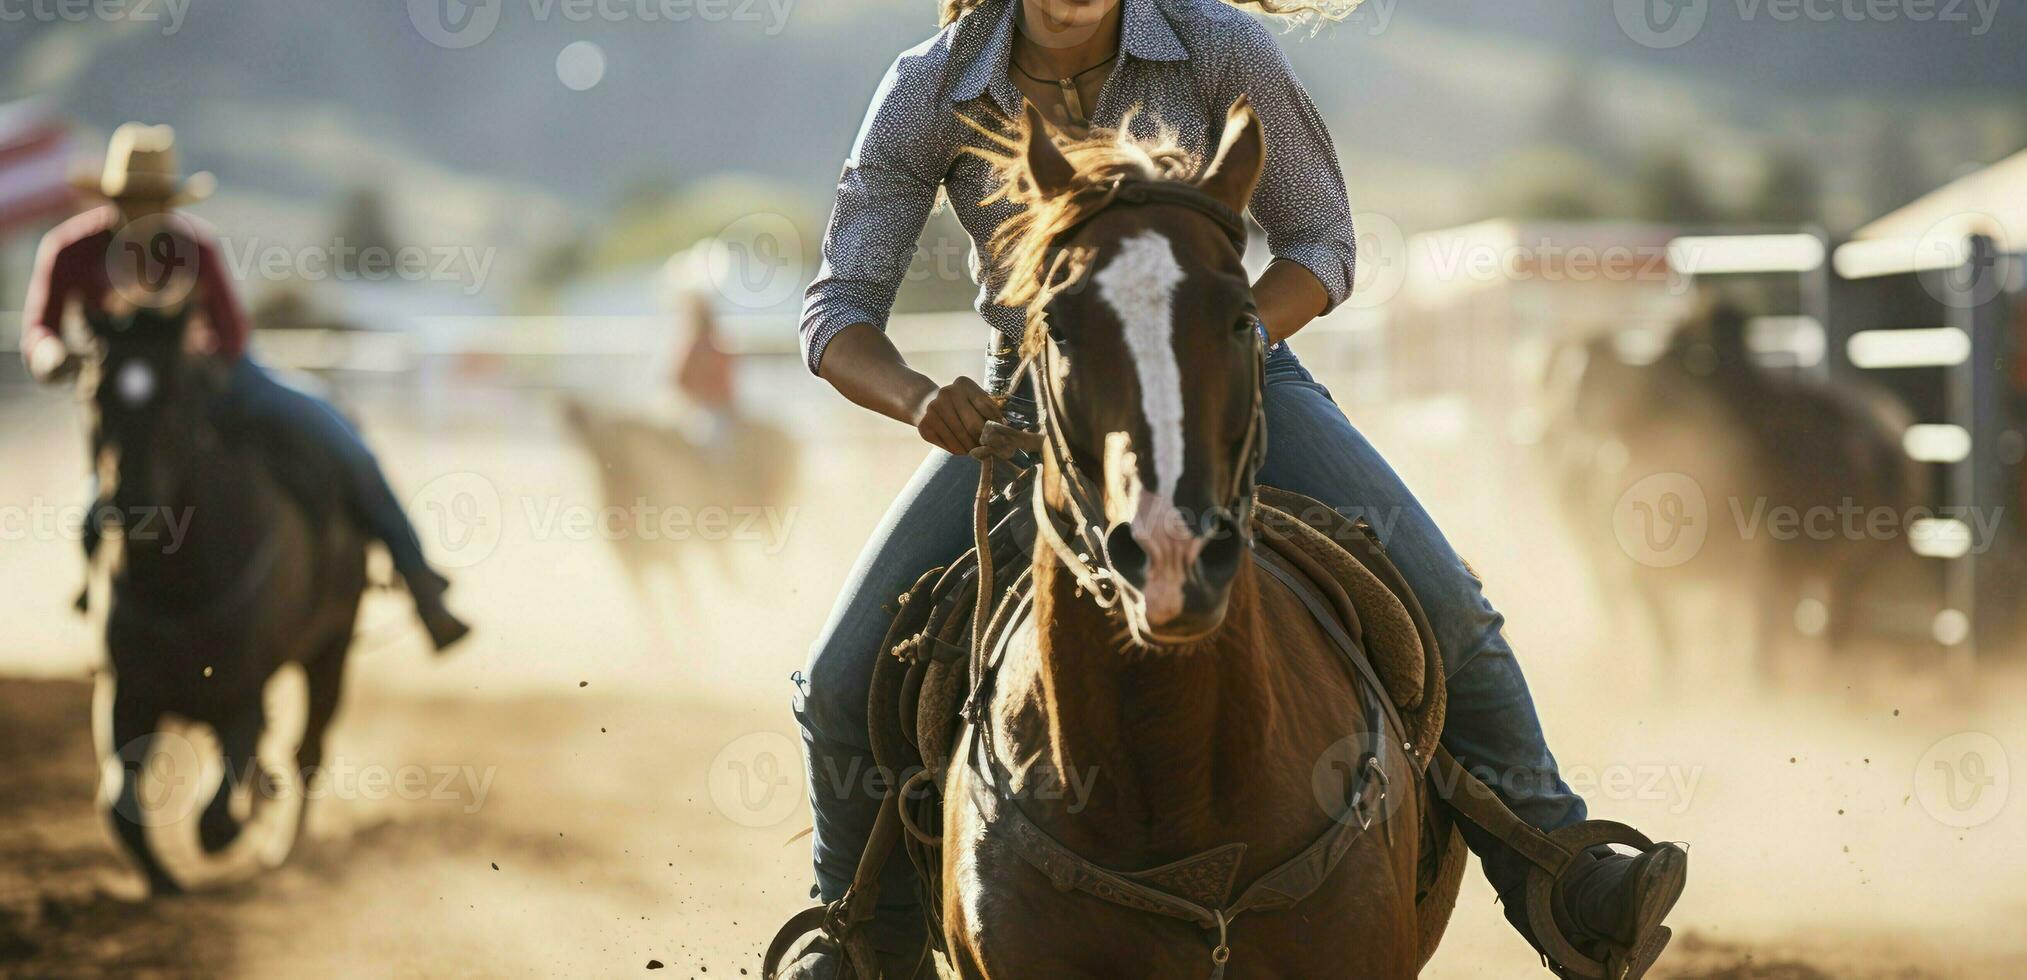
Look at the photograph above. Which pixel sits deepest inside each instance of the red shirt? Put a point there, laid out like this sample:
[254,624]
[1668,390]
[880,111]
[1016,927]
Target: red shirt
[78,259]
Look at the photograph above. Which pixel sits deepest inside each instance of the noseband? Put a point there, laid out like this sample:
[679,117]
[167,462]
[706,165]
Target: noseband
[1090,559]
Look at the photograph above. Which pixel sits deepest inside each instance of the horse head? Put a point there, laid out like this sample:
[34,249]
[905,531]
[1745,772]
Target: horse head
[145,388]
[1144,354]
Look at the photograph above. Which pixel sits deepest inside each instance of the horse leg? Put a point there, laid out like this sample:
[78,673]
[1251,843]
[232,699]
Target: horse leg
[238,742]
[133,731]
[325,678]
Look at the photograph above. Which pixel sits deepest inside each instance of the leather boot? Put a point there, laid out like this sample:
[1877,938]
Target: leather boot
[898,943]
[445,628]
[1610,905]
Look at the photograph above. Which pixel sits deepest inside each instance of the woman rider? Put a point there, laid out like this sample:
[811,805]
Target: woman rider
[1086,64]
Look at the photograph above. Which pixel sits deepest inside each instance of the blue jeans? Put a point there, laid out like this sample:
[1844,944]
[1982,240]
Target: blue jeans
[310,445]
[1311,449]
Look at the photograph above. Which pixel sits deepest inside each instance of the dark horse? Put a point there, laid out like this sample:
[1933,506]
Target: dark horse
[1193,693]
[1750,441]
[221,577]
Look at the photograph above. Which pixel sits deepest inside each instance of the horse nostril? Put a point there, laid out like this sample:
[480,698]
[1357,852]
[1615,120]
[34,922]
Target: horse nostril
[1125,554]
[1224,548]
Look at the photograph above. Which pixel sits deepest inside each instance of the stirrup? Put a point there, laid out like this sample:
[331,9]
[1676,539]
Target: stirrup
[826,920]
[1562,955]
[832,926]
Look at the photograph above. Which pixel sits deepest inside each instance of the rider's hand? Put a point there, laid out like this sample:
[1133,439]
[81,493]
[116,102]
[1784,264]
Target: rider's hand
[49,361]
[953,417]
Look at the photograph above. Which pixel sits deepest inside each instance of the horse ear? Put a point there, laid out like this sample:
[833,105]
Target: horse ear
[1051,170]
[1241,155]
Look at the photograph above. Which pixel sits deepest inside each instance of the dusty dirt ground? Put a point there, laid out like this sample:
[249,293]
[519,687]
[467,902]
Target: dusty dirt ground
[621,787]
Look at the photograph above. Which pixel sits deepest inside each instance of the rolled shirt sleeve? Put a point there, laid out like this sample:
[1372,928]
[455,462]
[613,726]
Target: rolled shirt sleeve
[883,200]
[1301,199]
[42,309]
[227,319]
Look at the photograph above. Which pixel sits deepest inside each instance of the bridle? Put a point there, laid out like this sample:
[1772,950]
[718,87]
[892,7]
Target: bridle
[1082,519]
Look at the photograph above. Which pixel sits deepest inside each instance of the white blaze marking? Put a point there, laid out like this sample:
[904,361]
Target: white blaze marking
[1139,284]
[136,383]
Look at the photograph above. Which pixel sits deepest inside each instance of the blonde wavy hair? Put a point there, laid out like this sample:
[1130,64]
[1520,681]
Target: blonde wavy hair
[1296,10]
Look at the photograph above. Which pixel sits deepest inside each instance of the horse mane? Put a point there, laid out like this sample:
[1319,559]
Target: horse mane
[1022,246]
[1316,11]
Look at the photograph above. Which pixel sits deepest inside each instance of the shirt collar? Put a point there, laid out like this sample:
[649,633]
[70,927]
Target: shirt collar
[1144,33]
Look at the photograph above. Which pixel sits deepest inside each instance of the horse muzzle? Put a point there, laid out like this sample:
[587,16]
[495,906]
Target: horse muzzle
[1175,575]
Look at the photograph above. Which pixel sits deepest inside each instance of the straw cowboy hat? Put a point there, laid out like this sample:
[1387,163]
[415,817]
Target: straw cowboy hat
[141,163]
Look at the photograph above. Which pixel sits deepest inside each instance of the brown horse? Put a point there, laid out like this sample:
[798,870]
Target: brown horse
[643,461]
[221,577]
[1163,699]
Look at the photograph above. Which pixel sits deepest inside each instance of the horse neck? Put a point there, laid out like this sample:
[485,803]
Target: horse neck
[1161,739]
[204,525]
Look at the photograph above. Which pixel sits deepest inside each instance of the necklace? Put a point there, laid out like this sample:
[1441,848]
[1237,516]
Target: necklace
[1073,101]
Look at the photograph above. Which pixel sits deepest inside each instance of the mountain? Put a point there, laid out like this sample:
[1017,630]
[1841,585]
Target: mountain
[298,104]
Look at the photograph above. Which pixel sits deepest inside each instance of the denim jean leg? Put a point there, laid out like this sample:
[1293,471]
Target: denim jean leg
[1313,449]
[309,430]
[928,525]
[1493,730]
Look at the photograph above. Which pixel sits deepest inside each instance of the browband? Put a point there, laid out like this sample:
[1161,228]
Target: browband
[1138,191]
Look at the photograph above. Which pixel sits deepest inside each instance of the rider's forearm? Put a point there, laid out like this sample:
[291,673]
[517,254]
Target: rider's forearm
[865,367]
[1288,296]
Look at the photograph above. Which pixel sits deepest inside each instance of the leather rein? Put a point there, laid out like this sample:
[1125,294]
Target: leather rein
[1196,889]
